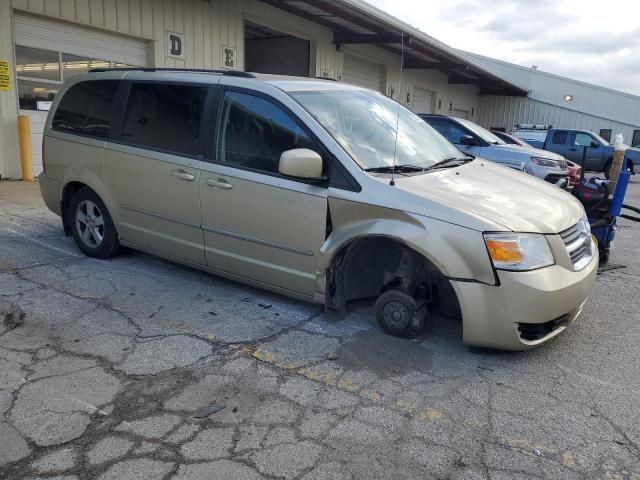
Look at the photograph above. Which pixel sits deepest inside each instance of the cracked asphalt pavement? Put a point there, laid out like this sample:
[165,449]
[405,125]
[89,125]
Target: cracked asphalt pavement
[136,368]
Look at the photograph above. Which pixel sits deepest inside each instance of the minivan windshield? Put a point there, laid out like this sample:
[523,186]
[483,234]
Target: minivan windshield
[364,123]
[483,133]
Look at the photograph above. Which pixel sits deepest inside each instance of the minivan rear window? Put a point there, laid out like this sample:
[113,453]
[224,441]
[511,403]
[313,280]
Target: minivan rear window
[86,109]
[165,117]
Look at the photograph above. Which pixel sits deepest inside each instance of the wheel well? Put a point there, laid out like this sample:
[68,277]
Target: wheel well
[68,192]
[366,267]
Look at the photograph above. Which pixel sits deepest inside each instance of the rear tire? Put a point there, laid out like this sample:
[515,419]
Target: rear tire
[91,225]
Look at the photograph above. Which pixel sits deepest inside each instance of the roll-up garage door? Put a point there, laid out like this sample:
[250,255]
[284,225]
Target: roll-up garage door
[364,73]
[423,100]
[461,113]
[48,52]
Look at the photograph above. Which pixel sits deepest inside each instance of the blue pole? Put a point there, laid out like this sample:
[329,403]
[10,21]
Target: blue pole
[615,207]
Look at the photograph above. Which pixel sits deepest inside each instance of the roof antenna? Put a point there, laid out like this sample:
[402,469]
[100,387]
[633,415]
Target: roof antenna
[395,147]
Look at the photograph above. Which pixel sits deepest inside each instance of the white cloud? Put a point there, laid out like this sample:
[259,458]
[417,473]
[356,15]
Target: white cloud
[595,42]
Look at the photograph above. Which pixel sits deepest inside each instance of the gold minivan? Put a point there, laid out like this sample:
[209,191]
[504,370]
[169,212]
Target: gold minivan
[318,190]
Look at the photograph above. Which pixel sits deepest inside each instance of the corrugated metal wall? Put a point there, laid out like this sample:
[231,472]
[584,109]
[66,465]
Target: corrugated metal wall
[591,108]
[209,25]
[206,25]
[591,99]
[505,112]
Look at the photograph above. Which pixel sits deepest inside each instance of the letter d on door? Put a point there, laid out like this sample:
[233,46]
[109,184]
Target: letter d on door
[175,45]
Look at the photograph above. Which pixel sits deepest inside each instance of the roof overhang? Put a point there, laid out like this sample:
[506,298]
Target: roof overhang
[356,22]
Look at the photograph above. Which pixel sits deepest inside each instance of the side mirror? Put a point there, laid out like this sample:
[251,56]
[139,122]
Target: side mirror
[301,163]
[467,140]
[594,144]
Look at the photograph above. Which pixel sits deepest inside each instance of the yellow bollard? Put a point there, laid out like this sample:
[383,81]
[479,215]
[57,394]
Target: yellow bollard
[26,158]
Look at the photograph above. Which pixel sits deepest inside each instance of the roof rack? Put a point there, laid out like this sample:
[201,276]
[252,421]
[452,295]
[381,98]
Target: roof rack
[229,72]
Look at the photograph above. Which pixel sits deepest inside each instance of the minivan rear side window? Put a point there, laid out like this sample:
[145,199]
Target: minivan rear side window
[165,117]
[86,108]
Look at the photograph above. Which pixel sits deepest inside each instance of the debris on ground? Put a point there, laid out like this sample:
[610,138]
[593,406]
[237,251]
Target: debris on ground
[208,410]
[10,316]
[486,368]
[609,267]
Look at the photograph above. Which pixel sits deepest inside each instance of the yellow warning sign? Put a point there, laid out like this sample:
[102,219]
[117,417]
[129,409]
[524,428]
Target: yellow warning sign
[5,76]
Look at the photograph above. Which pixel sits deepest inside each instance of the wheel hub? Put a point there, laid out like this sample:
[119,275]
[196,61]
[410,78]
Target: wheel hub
[396,315]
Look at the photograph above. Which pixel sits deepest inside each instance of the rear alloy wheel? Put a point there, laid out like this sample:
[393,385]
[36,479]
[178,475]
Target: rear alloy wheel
[92,227]
[90,223]
[400,314]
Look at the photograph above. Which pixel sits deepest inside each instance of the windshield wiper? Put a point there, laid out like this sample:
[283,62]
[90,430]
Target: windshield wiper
[397,168]
[448,162]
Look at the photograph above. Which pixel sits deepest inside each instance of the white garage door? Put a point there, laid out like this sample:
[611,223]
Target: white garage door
[47,52]
[364,73]
[423,100]
[461,113]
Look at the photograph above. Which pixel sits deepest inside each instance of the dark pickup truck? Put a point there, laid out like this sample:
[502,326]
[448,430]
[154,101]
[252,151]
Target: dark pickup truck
[570,144]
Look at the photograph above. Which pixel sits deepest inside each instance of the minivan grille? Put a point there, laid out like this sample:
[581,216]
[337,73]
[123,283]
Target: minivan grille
[577,240]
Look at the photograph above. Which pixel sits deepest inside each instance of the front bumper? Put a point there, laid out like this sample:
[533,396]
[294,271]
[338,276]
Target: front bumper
[501,316]
[555,175]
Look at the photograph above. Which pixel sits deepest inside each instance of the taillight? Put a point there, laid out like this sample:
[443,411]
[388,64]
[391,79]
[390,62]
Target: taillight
[44,162]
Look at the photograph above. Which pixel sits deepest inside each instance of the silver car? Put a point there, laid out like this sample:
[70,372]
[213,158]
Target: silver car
[475,140]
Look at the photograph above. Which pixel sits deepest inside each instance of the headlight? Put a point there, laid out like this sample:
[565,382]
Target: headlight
[518,251]
[544,162]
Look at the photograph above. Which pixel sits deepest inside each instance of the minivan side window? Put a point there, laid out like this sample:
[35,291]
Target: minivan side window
[86,108]
[254,132]
[165,117]
[559,137]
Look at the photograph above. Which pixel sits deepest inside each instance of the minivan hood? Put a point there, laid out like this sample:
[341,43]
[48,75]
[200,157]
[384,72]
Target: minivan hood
[529,151]
[507,197]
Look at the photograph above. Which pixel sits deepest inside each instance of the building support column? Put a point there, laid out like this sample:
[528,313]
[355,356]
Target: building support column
[9,145]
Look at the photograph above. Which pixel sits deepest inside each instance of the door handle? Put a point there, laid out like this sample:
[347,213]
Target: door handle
[573,149]
[182,175]
[219,183]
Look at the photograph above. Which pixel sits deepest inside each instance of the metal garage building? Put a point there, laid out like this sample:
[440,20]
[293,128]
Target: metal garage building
[42,42]
[561,102]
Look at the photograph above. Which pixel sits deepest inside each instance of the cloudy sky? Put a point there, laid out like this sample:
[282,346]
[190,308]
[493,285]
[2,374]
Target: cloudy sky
[596,42]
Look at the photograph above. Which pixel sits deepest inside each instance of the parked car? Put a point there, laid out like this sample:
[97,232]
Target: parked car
[574,168]
[510,139]
[318,190]
[571,144]
[475,140]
